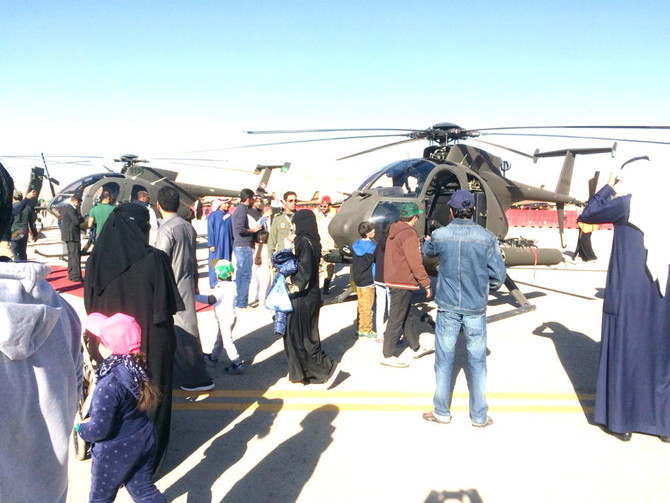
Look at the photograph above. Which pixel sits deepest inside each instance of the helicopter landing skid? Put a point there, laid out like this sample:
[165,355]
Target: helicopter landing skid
[344,296]
[52,255]
[524,305]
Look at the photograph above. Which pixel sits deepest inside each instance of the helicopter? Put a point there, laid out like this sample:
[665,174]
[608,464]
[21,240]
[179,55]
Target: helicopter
[446,166]
[136,176]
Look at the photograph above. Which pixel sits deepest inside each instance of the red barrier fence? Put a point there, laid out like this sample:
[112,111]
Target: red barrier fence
[544,218]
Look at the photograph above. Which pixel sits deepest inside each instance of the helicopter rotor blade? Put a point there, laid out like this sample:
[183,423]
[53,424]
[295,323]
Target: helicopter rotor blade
[186,159]
[297,141]
[48,177]
[288,131]
[505,148]
[223,168]
[535,135]
[504,128]
[379,148]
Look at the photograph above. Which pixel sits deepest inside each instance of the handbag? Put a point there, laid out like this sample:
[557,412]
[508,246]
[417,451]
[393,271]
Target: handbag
[278,299]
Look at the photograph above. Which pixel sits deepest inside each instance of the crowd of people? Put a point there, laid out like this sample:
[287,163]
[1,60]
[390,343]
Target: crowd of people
[142,329]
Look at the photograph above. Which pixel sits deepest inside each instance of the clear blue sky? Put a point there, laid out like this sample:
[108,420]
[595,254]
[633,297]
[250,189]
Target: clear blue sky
[161,78]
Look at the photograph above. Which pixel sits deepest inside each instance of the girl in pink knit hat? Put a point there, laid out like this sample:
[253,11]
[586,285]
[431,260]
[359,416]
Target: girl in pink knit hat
[123,437]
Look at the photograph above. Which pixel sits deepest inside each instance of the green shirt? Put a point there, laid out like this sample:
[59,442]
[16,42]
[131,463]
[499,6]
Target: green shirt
[100,213]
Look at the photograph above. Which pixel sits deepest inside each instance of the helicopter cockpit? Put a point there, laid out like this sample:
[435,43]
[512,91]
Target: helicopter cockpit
[430,184]
[400,179]
[81,187]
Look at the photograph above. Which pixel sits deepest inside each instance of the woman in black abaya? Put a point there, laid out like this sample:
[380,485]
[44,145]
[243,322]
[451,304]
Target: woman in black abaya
[307,362]
[126,275]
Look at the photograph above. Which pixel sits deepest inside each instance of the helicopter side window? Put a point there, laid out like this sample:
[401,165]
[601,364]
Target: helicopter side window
[136,189]
[386,212]
[111,187]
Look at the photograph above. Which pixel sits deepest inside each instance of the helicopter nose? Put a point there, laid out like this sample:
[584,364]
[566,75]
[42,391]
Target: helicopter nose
[344,226]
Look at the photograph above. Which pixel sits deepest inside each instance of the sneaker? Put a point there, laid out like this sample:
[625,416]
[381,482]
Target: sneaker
[394,362]
[209,385]
[209,361]
[431,417]
[486,423]
[234,368]
[371,335]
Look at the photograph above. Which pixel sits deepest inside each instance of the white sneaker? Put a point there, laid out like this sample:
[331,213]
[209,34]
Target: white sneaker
[200,387]
[394,362]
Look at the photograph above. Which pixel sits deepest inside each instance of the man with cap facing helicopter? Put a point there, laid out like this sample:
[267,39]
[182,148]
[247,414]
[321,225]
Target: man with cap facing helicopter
[471,265]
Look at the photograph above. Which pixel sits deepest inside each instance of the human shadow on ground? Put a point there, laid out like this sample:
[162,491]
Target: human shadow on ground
[464,495]
[223,453]
[197,427]
[282,474]
[579,356]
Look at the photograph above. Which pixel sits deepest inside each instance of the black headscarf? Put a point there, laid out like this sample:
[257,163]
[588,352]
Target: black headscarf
[6,194]
[124,241]
[305,227]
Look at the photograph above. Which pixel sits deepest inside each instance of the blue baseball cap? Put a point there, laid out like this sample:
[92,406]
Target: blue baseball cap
[462,199]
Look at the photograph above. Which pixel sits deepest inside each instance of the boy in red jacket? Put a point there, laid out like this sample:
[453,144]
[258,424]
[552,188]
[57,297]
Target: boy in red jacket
[403,273]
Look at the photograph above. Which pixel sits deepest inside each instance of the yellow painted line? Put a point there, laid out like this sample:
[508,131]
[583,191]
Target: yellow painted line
[368,400]
[368,394]
[372,407]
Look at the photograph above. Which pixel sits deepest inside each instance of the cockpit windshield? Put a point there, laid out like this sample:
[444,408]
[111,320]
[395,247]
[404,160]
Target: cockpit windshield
[81,187]
[401,178]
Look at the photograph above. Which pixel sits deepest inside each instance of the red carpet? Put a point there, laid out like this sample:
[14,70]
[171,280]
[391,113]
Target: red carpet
[58,280]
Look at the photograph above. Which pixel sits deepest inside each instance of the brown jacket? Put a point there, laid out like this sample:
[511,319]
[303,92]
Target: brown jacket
[403,264]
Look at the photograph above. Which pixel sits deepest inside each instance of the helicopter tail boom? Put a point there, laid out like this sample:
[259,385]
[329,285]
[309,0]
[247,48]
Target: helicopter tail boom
[565,178]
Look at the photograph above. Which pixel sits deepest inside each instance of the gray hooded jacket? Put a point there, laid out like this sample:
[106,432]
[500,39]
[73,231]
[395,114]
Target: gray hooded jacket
[40,368]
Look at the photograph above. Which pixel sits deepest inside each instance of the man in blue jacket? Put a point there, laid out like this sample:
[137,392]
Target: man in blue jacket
[471,265]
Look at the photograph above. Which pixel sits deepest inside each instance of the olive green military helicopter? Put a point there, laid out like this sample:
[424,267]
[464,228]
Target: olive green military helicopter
[135,176]
[449,165]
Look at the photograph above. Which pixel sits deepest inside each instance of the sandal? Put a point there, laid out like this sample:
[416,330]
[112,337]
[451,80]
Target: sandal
[432,418]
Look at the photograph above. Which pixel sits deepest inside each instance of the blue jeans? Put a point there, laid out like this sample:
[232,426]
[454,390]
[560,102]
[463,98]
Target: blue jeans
[446,333]
[244,256]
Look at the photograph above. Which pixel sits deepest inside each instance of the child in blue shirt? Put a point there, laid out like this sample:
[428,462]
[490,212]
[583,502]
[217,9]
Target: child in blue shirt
[123,437]
[363,272]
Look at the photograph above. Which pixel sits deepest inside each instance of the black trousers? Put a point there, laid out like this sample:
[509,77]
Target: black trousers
[19,248]
[73,260]
[397,322]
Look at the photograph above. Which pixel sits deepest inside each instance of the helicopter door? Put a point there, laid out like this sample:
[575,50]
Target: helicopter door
[93,195]
[438,191]
[480,204]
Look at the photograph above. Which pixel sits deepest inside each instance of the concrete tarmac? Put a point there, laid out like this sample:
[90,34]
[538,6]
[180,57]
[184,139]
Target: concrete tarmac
[259,438]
